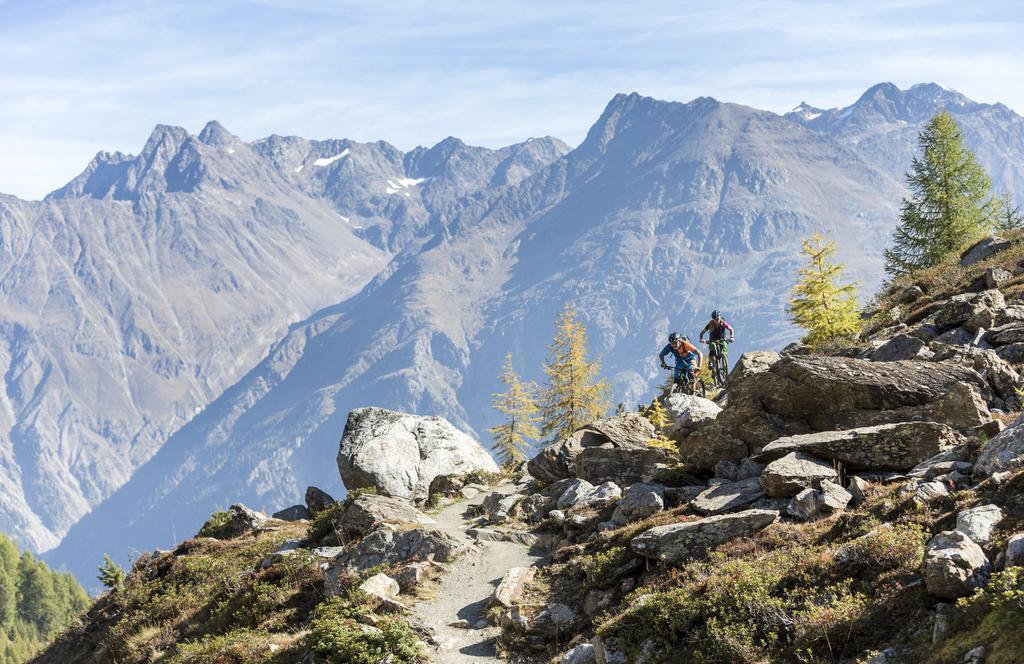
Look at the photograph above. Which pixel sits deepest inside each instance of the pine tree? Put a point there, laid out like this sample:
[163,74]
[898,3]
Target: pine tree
[518,404]
[111,574]
[574,395]
[950,204]
[1009,217]
[658,416]
[825,309]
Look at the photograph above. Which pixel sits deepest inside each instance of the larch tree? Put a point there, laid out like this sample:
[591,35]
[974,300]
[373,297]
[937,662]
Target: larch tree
[950,204]
[820,305]
[658,416]
[111,575]
[1008,217]
[574,394]
[519,406]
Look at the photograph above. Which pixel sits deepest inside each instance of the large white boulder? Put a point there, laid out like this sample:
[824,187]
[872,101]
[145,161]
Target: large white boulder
[399,454]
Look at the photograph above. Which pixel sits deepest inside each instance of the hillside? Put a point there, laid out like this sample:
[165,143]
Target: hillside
[864,504]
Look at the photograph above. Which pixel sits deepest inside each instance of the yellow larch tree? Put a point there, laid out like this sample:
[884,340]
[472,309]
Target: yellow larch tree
[519,406]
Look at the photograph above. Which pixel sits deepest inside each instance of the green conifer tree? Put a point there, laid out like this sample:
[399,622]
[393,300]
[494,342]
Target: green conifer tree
[1009,217]
[111,575]
[518,404]
[574,395]
[950,204]
[827,310]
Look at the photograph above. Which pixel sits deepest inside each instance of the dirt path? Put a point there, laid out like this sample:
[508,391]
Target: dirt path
[466,588]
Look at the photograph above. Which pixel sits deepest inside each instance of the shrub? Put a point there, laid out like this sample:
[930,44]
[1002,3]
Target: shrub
[214,526]
[237,647]
[338,636]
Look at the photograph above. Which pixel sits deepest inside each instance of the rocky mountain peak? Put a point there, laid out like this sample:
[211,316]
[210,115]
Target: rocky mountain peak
[214,134]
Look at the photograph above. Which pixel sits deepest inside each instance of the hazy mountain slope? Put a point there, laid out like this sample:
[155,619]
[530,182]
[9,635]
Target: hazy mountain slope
[884,123]
[665,211]
[135,295]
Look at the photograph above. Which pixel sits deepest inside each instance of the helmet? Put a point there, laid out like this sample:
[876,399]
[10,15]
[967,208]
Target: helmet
[672,337]
[716,314]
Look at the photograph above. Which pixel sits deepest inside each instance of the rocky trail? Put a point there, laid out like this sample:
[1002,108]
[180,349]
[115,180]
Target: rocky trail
[467,586]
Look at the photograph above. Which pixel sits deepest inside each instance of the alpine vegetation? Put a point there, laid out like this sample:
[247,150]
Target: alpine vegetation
[518,405]
[822,306]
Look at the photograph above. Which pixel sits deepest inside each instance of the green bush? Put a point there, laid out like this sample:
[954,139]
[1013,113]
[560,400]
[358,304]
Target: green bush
[599,568]
[214,526]
[238,647]
[339,637]
[991,618]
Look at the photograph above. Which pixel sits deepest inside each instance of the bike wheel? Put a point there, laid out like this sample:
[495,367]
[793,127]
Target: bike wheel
[701,390]
[721,370]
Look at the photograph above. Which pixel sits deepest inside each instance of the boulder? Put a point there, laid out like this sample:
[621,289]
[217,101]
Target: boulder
[901,347]
[1011,353]
[967,309]
[380,585]
[679,542]
[978,522]
[622,465]
[558,460]
[910,294]
[983,250]
[792,473]
[752,363]
[293,513]
[954,566]
[238,520]
[688,414]
[388,545]
[369,511]
[996,277]
[728,497]
[834,498]
[807,393]
[805,505]
[726,470]
[883,447]
[498,506]
[317,500]
[639,502]
[927,492]
[958,336]
[513,584]
[749,468]
[1003,452]
[581,654]
[581,493]
[400,454]
[1015,551]
[411,576]
[858,488]
[574,493]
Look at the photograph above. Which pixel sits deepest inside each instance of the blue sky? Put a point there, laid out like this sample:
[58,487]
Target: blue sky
[79,76]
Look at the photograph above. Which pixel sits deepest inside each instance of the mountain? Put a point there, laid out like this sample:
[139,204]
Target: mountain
[136,294]
[665,211]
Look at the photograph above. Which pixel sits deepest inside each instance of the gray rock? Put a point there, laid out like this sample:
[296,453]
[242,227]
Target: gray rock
[927,492]
[240,520]
[726,470]
[1015,550]
[293,513]
[581,654]
[1011,353]
[983,249]
[624,466]
[750,364]
[511,587]
[558,460]
[910,294]
[958,336]
[978,522]
[400,454]
[749,468]
[679,542]
[792,473]
[411,576]
[573,494]
[884,447]
[639,502]
[1003,452]
[965,309]
[996,277]
[498,506]
[388,545]
[901,347]
[954,566]
[380,585]
[834,498]
[317,500]
[369,511]
[1005,335]
[805,505]
[602,494]
[728,497]
[688,414]
[973,656]
[858,488]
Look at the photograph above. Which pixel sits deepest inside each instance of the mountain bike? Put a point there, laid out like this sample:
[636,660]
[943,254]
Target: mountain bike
[718,360]
[689,382]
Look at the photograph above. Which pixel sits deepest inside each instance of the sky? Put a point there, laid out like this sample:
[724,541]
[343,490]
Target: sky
[81,76]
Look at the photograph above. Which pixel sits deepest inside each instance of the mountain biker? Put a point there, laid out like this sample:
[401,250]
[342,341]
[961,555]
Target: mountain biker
[687,355]
[716,329]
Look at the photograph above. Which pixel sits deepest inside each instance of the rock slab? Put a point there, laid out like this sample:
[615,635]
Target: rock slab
[679,542]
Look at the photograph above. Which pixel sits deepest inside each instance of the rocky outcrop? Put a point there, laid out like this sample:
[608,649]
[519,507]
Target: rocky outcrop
[791,474]
[884,447]
[801,394]
[622,465]
[369,511]
[679,542]
[954,566]
[317,500]
[400,454]
[1004,452]
[558,460]
[293,513]
[388,545]
[237,520]
[688,414]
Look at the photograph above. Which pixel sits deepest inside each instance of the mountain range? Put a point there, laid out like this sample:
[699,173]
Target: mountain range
[190,326]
